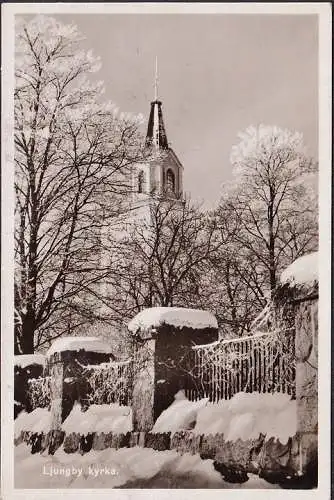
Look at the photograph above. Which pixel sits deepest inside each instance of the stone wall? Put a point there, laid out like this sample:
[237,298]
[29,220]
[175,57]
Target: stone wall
[301,301]
[274,461]
[306,322]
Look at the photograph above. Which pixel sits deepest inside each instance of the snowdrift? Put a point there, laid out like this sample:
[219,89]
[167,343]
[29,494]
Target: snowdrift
[99,418]
[38,420]
[181,414]
[244,417]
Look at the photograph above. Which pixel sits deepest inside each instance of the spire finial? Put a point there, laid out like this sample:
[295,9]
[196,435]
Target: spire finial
[156,79]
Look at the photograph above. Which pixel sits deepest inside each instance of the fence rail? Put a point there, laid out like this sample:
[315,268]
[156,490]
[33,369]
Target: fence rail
[263,362]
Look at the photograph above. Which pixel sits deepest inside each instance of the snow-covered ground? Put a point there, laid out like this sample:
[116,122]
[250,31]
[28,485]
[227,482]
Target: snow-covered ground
[126,468]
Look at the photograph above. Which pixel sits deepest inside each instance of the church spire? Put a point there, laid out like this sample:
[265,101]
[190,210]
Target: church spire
[156,79]
[156,134]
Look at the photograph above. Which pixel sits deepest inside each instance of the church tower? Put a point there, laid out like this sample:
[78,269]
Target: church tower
[159,175]
[156,178]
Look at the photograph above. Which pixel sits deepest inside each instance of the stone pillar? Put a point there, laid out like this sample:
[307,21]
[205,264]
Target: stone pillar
[67,381]
[56,370]
[306,344]
[161,366]
[143,385]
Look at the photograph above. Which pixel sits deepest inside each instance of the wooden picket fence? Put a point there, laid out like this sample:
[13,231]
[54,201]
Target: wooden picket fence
[263,362]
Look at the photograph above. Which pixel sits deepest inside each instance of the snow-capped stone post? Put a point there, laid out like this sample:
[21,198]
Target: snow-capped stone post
[66,361]
[299,289]
[162,341]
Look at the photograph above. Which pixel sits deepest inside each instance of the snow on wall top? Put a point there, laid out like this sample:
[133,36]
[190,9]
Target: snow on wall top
[174,316]
[303,271]
[24,360]
[245,416]
[90,344]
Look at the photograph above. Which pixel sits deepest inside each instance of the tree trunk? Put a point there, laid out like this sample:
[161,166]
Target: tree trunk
[28,330]
[272,265]
[17,340]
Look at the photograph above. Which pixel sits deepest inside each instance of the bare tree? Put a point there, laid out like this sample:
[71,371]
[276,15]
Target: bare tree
[72,158]
[270,213]
[160,259]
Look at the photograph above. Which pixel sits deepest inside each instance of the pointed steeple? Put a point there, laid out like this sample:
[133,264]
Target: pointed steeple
[156,134]
[156,79]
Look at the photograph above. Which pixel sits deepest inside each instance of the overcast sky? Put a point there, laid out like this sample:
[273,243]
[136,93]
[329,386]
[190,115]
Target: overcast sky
[218,74]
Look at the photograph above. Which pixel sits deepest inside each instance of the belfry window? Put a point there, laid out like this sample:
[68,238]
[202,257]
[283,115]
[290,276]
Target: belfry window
[141,182]
[170,184]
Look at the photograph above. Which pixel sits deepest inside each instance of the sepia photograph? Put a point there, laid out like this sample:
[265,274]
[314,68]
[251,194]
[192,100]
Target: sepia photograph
[168,234]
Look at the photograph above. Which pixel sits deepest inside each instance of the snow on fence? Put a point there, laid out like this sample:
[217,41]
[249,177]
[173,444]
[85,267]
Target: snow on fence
[105,383]
[110,383]
[39,392]
[263,362]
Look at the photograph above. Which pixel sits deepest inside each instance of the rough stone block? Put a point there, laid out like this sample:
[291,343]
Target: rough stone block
[56,439]
[304,454]
[99,441]
[255,454]
[276,457]
[210,444]
[235,454]
[86,443]
[120,440]
[26,436]
[45,442]
[125,441]
[108,440]
[158,441]
[36,442]
[134,439]
[231,474]
[71,442]
[186,442]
